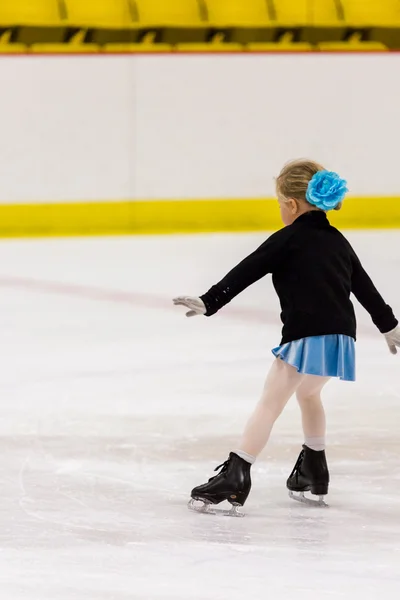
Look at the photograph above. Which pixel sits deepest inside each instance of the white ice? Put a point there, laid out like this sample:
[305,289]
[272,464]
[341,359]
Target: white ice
[113,406]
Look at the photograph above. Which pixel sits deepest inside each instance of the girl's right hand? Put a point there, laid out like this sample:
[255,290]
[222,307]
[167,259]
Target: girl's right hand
[393,339]
[195,305]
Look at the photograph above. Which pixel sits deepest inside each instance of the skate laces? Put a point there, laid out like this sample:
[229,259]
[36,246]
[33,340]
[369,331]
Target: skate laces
[296,468]
[223,467]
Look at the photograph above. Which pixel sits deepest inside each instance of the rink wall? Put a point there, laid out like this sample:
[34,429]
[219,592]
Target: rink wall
[122,144]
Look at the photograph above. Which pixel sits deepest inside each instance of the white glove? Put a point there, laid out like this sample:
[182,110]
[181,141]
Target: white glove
[196,305]
[393,339]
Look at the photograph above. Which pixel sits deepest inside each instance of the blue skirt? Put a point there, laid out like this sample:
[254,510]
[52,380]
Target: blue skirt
[324,355]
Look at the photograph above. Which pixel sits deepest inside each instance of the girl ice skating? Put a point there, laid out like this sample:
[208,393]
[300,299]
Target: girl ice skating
[314,270]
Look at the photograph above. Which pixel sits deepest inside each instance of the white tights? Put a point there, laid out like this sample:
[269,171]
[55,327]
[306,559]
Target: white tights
[282,382]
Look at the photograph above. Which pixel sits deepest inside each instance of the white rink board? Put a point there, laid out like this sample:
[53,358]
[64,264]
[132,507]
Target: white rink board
[171,127]
[114,406]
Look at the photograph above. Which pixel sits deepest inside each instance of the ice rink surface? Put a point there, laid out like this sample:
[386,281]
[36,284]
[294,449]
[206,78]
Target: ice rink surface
[113,406]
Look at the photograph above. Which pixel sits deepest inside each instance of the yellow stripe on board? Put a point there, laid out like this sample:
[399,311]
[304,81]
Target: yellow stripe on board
[184,216]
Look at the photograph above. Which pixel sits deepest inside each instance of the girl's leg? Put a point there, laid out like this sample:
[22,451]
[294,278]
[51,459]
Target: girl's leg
[312,411]
[282,381]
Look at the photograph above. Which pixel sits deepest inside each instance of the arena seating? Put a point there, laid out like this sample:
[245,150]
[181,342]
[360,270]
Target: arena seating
[351,47]
[13,49]
[311,21]
[370,13]
[190,25]
[64,48]
[173,21]
[33,20]
[380,20]
[30,12]
[280,47]
[210,48]
[106,20]
[136,48]
[241,21]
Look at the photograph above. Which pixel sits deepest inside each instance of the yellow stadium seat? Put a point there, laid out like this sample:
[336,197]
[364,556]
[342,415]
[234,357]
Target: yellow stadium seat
[372,13]
[65,48]
[107,20]
[210,48]
[313,21]
[380,19]
[136,48]
[279,47]
[30,12]
[244,21]
[292,13]
[325,12]
[164,13]
[13,49]
[33,20]
[174,20]
[104,13]
[352,47]
[327,22]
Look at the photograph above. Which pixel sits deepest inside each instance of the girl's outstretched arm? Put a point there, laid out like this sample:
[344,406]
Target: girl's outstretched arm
[264,260]
[258,264]
[369,297]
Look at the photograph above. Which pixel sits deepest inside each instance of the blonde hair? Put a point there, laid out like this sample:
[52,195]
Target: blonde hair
[293,180]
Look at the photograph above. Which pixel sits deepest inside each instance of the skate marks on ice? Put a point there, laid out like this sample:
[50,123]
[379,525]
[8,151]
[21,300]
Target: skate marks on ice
[124,435]
[65,487]
[66,497]
[87,503]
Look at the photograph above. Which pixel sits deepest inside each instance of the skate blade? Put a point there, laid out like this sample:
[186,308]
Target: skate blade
[207,508]
[308,501]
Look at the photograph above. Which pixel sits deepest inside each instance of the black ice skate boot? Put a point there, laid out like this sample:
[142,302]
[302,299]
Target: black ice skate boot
[233,484]
[310,473]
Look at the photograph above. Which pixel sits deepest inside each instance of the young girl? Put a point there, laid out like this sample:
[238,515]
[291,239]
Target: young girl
[314,270]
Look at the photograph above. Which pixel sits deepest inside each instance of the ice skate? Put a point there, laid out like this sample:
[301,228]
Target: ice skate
[310,474]
[233,484]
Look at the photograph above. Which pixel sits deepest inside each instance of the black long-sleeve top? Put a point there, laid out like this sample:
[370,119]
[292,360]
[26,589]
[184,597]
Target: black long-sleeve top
[314,270]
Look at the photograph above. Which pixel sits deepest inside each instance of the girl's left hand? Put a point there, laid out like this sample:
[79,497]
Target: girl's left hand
[393,339]
[196,305]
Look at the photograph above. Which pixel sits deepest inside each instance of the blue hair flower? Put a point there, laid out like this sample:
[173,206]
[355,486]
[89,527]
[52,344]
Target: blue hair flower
[326,190]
